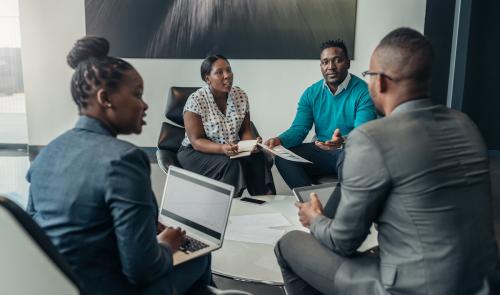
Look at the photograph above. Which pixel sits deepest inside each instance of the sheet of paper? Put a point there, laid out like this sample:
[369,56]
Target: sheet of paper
[284,153]
[259,220]
[246,145]
[257,235]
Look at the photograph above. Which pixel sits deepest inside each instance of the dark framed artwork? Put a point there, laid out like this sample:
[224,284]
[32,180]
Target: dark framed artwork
[241,29]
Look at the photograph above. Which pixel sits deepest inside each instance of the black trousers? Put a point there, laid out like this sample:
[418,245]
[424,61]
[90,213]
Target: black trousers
[298,174]
[252,172]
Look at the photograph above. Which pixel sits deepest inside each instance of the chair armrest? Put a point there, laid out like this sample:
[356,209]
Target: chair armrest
[215,291]
[166,158]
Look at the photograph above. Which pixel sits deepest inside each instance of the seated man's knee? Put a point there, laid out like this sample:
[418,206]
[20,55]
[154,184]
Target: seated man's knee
[289,240]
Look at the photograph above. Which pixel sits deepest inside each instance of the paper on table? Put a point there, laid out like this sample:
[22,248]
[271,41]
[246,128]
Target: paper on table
[259,220]
[284,153]
[257,235]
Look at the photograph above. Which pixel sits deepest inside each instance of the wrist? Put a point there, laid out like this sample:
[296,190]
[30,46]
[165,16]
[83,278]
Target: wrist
[222,150]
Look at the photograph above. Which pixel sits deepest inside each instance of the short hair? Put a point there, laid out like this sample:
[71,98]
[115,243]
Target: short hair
[93,69]
[407,53]
[339,43]
[208,62]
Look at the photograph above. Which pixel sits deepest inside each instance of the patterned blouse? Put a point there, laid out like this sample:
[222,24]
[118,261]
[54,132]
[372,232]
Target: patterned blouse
[219,128]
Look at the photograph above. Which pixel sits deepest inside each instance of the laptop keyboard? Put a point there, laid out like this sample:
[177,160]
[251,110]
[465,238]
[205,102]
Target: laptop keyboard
[192,245]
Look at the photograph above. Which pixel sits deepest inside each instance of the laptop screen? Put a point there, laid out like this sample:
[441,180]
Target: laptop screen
[196,201]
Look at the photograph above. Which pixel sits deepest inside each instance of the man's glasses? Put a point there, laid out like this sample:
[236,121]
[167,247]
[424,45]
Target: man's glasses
[368,73]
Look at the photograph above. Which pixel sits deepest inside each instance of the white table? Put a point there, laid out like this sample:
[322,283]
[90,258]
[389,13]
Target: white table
[257,262]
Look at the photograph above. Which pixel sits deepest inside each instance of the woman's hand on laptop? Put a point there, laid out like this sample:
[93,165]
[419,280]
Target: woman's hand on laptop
[174,237]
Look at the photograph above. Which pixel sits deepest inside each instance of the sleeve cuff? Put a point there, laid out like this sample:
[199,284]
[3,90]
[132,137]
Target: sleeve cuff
[284,140]
[167,251]
[318,223]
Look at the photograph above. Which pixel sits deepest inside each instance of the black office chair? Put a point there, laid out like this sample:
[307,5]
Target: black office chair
[30,263]
[172,132]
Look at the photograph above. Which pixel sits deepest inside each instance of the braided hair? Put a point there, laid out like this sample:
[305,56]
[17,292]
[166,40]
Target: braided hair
[94,69]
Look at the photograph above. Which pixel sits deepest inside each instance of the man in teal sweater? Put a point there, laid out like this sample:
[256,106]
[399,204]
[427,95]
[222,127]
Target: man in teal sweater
[335,105]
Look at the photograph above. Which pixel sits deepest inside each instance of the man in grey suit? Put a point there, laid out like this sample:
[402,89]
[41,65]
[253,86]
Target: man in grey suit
[421,175]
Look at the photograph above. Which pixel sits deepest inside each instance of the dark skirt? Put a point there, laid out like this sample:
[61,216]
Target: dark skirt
[252,173]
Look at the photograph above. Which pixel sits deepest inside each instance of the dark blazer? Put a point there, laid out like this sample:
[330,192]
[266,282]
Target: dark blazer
[91,193]
[421,174]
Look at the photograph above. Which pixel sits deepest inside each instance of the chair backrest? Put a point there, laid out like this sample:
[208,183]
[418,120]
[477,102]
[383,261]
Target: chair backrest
[30,263]
[176,100]
[171,137]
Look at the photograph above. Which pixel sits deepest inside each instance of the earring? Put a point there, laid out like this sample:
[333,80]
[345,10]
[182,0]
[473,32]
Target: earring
[108,105]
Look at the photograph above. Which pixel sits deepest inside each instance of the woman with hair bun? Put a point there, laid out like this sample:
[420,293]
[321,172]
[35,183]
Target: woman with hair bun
[91,192]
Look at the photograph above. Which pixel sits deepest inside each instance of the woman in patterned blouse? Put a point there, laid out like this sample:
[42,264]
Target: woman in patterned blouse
[216,117]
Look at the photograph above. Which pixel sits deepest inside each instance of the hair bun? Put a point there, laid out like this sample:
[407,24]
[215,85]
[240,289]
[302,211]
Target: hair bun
[85,48]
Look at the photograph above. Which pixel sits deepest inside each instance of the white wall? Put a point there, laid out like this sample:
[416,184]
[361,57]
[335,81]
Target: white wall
[50,27]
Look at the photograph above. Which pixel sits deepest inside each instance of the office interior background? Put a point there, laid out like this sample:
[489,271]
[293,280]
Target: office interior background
[36,104]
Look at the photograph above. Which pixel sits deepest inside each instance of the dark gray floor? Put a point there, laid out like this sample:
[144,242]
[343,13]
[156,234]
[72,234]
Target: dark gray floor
[224,283]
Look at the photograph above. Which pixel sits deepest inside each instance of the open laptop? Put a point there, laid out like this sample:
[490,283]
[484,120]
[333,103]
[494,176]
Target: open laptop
[200,206]
[328,195]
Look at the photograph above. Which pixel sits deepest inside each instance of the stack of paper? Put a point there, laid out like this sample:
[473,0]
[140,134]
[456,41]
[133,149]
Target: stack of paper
[257,228]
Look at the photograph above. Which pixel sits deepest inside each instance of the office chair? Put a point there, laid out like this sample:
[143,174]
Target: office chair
[30,263]
[172,132]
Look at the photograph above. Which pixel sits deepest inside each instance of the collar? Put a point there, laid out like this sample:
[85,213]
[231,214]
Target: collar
[94,125]
[342,86]
[211,97]
[413,104]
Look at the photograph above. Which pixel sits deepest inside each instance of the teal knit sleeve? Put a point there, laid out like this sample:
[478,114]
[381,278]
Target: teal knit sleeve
[301,124]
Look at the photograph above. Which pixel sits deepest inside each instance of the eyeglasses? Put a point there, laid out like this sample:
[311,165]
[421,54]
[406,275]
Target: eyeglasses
[368,73]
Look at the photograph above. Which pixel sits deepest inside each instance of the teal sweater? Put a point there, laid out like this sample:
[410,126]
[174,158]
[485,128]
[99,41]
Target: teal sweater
[349,109]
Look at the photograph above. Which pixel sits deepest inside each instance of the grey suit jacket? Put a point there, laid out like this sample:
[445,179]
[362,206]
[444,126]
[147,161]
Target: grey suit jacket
[421,174]
[91,193]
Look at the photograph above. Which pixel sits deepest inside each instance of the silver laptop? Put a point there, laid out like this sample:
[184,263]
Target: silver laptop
[324,191]
[200,206]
